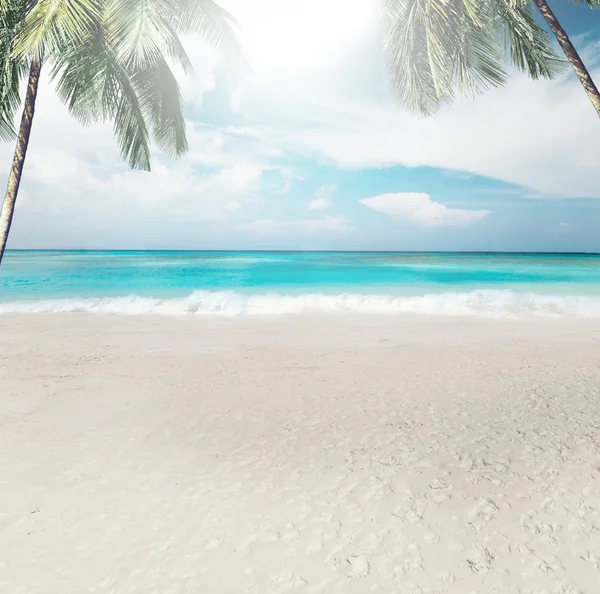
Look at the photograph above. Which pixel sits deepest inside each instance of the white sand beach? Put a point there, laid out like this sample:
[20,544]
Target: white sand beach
[313,455]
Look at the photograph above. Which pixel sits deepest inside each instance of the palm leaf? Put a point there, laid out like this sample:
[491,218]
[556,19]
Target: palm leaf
[141,31]
[529,45]
[129,123]
[208,20]
[162,104]
[51,24]
[436,49]
[96,86]
[110,61]
[12,71]
[590,3]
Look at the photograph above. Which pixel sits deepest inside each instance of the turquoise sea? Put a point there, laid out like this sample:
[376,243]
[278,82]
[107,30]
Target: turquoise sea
[272,283]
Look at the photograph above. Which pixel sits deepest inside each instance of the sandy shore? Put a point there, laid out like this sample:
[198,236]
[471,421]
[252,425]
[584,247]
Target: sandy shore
[203,456]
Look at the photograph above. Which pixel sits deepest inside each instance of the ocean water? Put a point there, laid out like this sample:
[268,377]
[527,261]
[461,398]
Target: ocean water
[276,283]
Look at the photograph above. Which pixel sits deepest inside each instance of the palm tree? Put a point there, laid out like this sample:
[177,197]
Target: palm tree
[110,60]
[569,49]
[436,47]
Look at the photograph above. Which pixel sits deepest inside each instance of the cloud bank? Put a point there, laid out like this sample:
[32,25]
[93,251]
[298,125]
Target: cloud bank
[422,209]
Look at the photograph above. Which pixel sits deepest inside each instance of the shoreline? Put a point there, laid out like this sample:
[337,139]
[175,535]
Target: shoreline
[318,454]
[315,326]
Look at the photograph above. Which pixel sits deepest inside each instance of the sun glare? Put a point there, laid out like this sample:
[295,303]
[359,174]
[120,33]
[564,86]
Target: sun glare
[294,36]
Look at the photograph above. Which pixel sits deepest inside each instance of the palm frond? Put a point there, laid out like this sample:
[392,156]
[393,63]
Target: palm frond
[82,73]
[50,24]
[110,61]
[435,48]
[141,32]
[12,71]
[129,123]
[478,48]
[162,105]
[208,20]
[529,45]
[96,86]
[409,68]
[477,58]
[593,4]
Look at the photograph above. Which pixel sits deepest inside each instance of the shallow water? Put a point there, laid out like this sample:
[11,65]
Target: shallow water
[235,283]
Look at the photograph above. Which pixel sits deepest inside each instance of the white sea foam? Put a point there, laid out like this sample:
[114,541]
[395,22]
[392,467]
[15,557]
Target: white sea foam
[494,303]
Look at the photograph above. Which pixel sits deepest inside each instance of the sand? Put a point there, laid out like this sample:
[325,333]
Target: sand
[310,455]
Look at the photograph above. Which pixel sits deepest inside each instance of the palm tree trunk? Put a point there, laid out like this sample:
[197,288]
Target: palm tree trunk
[563,39]
[16,171]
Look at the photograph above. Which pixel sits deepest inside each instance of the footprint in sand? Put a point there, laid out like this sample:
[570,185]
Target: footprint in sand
[481,560]
[447,577]
[213,543]
[289,532]
[483,513]
[288,581]
[244,546]
[355,566]
[314,547]
[413,558]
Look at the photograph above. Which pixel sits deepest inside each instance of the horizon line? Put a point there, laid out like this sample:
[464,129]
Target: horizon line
[300,251]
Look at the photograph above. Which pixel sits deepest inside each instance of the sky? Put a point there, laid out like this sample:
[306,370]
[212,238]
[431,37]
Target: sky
[309,151]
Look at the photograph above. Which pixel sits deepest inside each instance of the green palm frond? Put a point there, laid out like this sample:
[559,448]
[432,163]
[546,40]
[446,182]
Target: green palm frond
[111,61]
[528,45]
[50,24]
[589,3]
[206,19]
[84,78]
[142,32]
[162,105]
[12,72]
[129,123]
[436,49]
[96,86]
[476,58]
[408,66]
[134,87]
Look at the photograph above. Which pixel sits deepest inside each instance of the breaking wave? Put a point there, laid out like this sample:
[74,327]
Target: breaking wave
[496,303]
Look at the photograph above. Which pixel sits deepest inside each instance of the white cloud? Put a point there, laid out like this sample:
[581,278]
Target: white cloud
[322,199]
[300,227]
[541,135]
[537,134]
[422,209]
[319,204]
[239,178]
[68,164]
[182,189]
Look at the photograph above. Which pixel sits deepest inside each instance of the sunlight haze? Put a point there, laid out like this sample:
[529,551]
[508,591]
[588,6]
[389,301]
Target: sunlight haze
[285,36]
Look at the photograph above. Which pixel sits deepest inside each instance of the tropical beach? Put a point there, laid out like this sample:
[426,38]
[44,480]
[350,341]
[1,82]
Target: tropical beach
[299,297]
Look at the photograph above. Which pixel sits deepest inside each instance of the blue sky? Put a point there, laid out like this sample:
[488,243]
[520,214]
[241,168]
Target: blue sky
[310,152]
